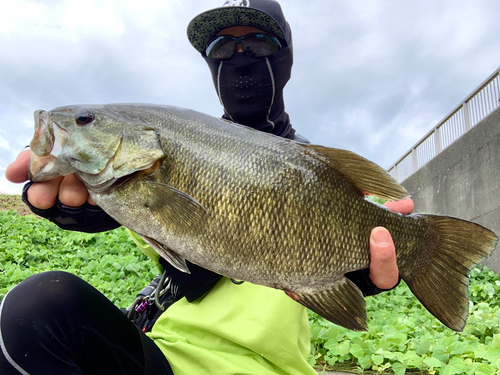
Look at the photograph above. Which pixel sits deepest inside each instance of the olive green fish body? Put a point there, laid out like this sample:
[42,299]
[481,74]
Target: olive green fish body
[259,226]
[259,208]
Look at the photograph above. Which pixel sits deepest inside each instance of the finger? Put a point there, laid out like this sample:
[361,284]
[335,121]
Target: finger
[72,192]
[384,272]
[43,195]
[18,170]
[91,201]
[404,207]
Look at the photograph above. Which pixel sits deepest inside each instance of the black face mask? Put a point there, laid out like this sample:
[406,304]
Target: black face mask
[251,90]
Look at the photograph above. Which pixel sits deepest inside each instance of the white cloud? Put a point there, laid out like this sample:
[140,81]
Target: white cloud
[367,74]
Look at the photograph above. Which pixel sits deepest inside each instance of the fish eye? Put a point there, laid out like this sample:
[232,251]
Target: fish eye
[84,117]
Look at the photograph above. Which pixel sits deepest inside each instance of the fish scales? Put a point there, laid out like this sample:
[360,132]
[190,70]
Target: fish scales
[234,177]
[256,207]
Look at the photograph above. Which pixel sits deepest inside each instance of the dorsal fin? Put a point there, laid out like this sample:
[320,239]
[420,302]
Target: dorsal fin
[368,177]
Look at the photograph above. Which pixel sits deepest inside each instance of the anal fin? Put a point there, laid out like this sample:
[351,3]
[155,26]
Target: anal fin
[342,303]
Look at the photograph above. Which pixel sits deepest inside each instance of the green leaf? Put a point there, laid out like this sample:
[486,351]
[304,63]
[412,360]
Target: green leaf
[484,369]
[398,338]
[365,362]
[489,290]
[333,346]
[412,359]
[389,355]
[344,348]
[399,369]
[433,362]
[480,351]
[439,351]
[492,354]
[332,360]
[458,347]
[423,347]
[357,351]
[457,366]
[496,339]
[377,359]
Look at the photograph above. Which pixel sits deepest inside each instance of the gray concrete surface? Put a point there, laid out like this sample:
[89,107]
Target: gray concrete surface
[464,180]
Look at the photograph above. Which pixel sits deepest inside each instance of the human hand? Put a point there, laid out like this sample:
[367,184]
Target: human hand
[384,272]
[43,195]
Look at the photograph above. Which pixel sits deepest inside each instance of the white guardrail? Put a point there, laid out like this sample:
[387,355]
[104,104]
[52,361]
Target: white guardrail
[479,104]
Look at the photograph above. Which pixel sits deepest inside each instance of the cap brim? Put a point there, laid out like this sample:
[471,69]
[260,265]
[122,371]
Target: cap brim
[206,25]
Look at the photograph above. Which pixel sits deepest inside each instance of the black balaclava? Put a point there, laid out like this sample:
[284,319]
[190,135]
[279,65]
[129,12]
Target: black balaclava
[250,89]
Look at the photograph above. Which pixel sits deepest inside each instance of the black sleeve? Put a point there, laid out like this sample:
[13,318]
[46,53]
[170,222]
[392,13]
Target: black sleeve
[86,218]
[201,280]
[363,282]
[192,285]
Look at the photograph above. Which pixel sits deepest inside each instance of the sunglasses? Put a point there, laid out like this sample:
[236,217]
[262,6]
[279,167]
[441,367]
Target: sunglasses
[254,45]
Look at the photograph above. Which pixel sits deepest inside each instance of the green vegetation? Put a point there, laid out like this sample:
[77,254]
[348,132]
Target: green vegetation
[109,261]
[402,337]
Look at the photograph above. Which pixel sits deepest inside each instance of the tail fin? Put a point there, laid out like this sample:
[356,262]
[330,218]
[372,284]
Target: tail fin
[440,279]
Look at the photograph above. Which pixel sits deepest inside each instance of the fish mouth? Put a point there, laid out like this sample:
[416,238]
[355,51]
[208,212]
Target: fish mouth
[46,145]
[105,182]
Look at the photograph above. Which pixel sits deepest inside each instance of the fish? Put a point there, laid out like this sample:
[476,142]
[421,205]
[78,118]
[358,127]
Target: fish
[256,207]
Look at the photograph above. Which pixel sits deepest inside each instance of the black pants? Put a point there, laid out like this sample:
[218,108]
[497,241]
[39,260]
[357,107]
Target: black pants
[55,323]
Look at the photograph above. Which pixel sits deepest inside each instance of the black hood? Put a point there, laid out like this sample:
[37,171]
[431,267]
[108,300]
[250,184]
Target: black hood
[250,89]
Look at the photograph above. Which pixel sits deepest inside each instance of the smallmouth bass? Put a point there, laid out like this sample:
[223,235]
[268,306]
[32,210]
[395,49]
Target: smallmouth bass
[256,207]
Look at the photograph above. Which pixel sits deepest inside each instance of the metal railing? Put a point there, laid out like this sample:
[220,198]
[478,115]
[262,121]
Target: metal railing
[479,104]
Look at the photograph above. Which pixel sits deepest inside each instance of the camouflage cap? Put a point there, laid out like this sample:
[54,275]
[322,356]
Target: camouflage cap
[262,14]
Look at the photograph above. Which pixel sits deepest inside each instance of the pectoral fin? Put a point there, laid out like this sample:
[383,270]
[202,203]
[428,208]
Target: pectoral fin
[178,212]
[342,304]
[175,209]
[173,258]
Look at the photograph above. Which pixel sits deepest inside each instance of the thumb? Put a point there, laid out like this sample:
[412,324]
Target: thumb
[384,272]
[17,171]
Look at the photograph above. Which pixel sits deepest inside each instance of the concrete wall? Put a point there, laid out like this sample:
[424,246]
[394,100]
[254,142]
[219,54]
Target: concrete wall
[464,180]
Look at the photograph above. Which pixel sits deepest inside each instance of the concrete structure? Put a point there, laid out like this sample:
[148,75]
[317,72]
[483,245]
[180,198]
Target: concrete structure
[472,110]
[464,180]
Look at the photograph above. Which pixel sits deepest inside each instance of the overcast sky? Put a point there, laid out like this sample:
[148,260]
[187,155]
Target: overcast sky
[369,76]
